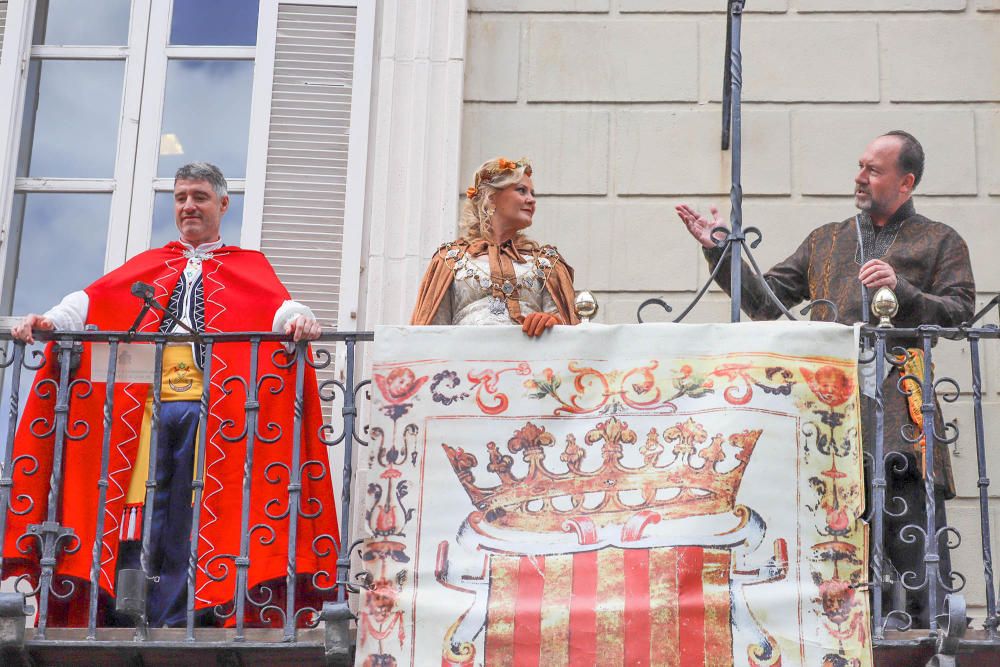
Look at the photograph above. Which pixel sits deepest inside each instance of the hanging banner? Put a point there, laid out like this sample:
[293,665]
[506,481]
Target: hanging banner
[615,495]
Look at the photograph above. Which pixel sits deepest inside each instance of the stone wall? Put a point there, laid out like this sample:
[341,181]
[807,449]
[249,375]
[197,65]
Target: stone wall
[617,102]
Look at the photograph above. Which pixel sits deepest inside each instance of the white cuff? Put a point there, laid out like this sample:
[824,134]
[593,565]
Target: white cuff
[288,311]
[71,313]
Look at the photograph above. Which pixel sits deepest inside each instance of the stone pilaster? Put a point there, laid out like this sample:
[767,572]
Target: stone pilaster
[415,140]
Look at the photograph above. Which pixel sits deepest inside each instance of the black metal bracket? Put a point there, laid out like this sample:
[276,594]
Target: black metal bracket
[990,305]
[145,292]
[651,302]
[338,642]
[14,609]
[131,594]
[952,631]
[75,355]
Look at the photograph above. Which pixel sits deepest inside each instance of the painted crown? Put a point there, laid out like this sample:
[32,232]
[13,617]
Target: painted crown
[693,479]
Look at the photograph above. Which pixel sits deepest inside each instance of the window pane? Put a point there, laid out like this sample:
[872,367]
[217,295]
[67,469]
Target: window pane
[54,227]
[47,230]
[67,22]
[165,229]
[71,116]
[206,115]
[214,22]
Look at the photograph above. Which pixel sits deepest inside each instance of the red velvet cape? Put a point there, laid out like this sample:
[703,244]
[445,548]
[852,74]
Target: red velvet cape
[242,293]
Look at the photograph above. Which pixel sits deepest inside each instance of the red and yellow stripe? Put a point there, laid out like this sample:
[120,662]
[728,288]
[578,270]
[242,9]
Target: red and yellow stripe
[613,607]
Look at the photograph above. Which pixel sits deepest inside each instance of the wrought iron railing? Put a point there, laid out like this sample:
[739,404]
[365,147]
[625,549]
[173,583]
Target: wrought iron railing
[940,587]
[276,373]
[885,350]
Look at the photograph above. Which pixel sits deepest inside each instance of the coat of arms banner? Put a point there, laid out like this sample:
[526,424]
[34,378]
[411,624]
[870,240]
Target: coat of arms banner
[615,495]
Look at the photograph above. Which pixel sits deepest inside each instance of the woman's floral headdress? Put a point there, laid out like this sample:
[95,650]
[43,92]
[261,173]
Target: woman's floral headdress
[491,171]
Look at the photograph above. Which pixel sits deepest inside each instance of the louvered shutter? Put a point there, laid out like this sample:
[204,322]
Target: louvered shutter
[306,174]
[3,21]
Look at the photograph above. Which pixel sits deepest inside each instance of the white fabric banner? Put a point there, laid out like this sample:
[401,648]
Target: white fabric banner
[616,495]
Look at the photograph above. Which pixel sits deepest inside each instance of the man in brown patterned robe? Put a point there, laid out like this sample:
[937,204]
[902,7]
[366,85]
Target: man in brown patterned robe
[925,263]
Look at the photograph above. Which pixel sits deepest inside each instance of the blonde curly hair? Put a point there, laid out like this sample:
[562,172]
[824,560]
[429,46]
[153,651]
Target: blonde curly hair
[475,221]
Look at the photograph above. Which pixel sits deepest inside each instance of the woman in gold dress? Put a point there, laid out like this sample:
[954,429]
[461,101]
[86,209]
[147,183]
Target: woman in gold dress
[493,274]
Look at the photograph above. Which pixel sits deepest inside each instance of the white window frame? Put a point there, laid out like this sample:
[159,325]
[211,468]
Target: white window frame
[158,53]
[13,78]
[17,52]
[357,151]
[144,86]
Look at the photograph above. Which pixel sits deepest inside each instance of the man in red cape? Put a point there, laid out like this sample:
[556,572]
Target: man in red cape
[212,288]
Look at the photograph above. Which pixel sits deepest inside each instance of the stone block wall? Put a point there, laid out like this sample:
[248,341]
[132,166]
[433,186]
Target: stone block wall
[617,102]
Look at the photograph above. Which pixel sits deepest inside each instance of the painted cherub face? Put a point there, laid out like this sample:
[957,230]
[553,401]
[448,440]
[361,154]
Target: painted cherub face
[381,599]
[831,385]
[399,382]
[838,599]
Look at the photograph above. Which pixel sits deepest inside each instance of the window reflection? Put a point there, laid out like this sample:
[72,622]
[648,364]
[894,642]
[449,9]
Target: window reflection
[214,22]
[71,115]
[60,249]
[66,22]
[63,238]
[165,228]
[206,115]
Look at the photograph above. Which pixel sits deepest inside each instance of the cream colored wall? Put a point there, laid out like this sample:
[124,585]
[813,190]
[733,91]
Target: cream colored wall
[617,103]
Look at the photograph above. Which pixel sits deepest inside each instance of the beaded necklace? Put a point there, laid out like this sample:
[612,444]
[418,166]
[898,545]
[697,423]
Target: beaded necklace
[465,268]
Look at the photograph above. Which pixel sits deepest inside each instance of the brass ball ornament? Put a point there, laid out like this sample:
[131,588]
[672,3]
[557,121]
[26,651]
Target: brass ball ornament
[885,305]
[586,305]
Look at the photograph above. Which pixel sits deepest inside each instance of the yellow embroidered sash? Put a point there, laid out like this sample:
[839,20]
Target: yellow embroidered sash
[913,365]
[182,381]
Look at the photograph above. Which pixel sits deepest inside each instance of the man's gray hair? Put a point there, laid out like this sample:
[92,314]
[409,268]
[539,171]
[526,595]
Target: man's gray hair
[204,171]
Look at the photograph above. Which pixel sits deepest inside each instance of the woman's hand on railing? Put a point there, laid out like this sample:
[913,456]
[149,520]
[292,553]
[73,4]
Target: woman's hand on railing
[535,324]
[23,329]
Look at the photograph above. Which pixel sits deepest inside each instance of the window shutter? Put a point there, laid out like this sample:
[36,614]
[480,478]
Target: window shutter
[3,21]
[303,216]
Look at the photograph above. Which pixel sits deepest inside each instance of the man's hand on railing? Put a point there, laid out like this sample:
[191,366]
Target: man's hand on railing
[23,329]
[303,328]
[876,273]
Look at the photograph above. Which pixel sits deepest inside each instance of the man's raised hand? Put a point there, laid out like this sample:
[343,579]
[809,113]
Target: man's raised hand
[698,225]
